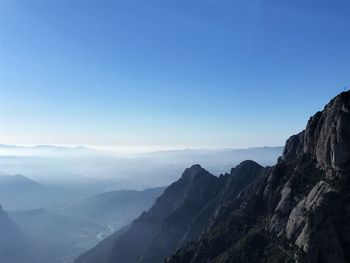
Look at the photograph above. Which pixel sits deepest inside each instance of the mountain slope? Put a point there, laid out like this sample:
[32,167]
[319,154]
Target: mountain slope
[179,215]
[81,225]
[166,211]
[102,252]
[18,192]
[16,246]
[66,236]
[115,208]
[299,212]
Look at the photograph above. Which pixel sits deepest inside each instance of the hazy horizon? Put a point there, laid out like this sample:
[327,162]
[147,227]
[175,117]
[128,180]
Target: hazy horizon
[125,150]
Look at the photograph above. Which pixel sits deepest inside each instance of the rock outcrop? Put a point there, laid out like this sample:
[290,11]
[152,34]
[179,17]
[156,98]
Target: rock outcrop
[326,138]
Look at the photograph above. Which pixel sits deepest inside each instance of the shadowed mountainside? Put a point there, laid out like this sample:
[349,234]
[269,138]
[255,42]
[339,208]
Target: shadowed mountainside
[114,208]
[17,246]
[178,216]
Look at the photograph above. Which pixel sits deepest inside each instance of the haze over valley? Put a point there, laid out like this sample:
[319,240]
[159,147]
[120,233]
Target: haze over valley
[69,199]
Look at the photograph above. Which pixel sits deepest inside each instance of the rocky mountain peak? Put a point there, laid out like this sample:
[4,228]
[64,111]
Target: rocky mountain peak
[245,167]
[194,170]
[326,138]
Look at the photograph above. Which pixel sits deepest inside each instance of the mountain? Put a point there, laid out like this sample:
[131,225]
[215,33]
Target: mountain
[295,211]
[20,180]
[18,192]
[179,215]
[67,237]
[16,246]
[175,199]
[101,252]
[113,209]
[80,225]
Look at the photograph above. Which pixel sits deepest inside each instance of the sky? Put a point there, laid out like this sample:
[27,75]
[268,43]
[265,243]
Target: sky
[168,74]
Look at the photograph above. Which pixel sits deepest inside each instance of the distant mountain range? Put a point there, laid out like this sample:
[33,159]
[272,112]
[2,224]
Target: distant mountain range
[57,151]
[18,192]
[217,160]
[66,236]
[20,181]
[71,229]
[86,168]
[295,211]
[45,151]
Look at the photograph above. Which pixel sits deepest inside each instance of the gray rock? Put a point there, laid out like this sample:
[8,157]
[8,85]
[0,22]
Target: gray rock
[326,138]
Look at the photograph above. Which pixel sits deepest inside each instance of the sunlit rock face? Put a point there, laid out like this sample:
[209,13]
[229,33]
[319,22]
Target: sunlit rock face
[317,217]
[312,207]
[326,138]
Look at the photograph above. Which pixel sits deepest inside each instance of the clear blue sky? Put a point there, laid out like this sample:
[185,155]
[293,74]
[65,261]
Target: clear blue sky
[189,73]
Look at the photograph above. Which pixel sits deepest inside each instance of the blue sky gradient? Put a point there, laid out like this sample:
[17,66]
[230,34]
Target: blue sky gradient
[168,73]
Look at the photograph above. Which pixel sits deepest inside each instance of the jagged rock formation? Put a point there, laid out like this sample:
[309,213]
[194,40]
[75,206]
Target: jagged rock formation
[295,211]
[299,212]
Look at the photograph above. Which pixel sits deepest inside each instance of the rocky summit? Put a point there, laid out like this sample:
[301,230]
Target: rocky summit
[295,211]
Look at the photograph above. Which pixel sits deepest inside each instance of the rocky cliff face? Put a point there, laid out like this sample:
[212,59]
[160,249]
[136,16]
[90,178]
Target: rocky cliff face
[326,138]
[315,221]
[300,210]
